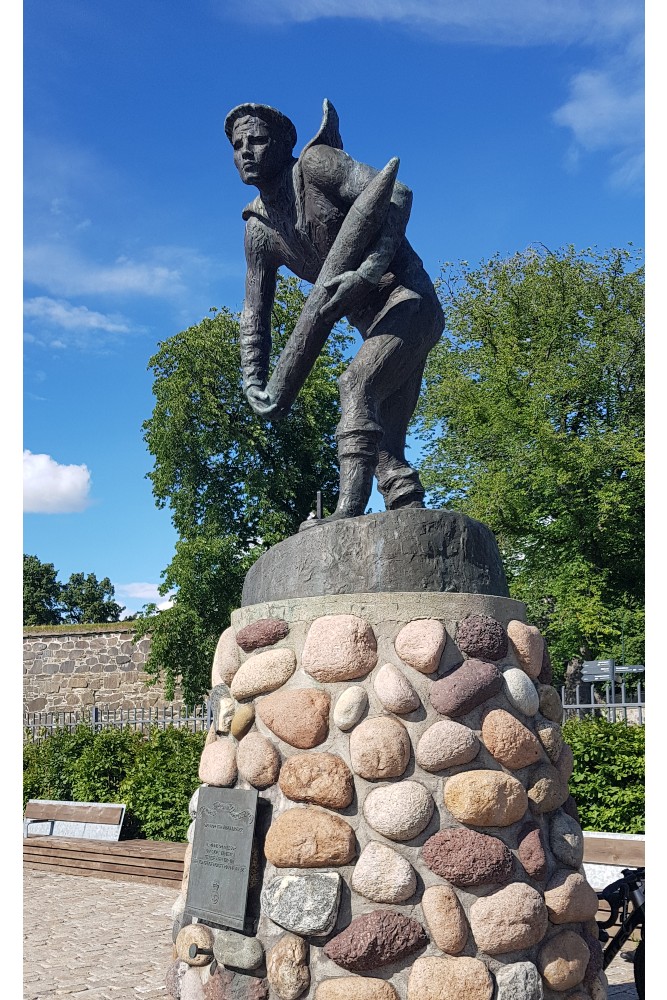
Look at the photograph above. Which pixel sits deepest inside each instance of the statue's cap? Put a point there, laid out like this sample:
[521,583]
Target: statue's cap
[267,114]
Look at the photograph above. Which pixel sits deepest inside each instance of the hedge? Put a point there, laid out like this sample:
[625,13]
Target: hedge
[155,775]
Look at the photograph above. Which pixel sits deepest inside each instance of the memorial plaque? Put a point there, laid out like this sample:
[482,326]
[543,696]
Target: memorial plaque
[221,856]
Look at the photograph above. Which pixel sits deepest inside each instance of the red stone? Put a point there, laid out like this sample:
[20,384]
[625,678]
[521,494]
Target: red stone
[473,683]
[375,939]
[466,858]
[531,852]
[265,632]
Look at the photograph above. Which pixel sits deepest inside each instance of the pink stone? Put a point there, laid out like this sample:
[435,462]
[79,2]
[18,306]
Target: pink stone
[512,919]
[379,748]
[528,645]
[218,763]
[420,644]
[339,648]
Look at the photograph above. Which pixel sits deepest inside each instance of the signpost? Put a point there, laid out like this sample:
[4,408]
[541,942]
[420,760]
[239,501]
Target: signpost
[221,853]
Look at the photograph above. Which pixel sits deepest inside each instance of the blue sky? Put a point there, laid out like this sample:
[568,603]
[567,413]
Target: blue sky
[515,123]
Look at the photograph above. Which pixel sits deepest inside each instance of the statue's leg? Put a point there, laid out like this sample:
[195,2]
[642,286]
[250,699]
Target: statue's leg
[387,374]
[398,482]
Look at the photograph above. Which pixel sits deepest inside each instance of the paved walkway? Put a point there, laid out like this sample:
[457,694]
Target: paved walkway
[97,939]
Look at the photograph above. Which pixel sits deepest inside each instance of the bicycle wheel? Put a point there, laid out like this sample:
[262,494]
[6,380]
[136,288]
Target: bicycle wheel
[639,969]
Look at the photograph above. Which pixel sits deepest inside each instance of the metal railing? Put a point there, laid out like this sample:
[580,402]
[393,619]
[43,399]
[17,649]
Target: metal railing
[614,702]
[41,724]
[622,706]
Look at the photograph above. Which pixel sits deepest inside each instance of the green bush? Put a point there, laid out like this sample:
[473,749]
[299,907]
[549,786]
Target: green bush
[159,786]
[154,775]
[608,778]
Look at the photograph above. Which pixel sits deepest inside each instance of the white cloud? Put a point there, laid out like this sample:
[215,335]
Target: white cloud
[59,312]
[521,22]
[62,270]
[142,591]
[605,112]
[51,488]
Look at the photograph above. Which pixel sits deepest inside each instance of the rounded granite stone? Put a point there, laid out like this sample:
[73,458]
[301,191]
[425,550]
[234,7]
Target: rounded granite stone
[520,691]
[467,858]
[339,648]
[569,898]
[303,904]
[445,918]
[565,763]
[420,644]
[323,779]
[551,706]
[470,685]
[550,736]
[531,851]
[350,707]
[217,765]
[519,981]
[382,875]
[547,790]
[265,632]
[238,950]
[191,986]
[446,744]
[399,811]
[481,637]
[225,984]
[395,691]
[226,659]
[298,716]
[512,919]
[509,741]
[258,760]
[485,798]
[528,645]
[596,961]
[374,939]
[355,988]
[562,961]
[263,672]
[223,707]
[308,837]
[439,978]
[194,934]
[287,967]
[379,748]
[243,720]
[174,978]
[566,839]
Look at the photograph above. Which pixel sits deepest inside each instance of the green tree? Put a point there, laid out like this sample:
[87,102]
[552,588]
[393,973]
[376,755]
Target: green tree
[87,599]
[533,422]
[235,485]
[41,593]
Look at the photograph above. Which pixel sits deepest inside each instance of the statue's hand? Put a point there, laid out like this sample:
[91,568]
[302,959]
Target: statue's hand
[261,403]
[347,291]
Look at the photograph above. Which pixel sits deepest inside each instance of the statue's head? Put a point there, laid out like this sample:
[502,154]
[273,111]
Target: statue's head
[262,139]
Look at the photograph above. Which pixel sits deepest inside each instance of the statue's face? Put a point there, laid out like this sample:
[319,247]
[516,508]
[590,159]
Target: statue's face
[259,154]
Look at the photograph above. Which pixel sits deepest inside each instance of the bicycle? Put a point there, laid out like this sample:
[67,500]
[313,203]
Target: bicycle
[625,898]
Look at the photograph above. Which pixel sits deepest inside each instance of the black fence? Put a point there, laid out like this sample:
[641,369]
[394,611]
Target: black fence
[40,724]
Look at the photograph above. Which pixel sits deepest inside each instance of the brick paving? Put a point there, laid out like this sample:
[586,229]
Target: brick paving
[98,939]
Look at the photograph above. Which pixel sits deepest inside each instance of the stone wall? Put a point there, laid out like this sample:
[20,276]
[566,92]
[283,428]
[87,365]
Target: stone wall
[423,842]
[67,670]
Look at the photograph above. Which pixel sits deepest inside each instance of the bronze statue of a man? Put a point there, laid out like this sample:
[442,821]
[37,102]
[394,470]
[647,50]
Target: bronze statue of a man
[340,225]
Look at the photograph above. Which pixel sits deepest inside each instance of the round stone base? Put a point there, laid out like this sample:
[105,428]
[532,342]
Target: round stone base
[396,551]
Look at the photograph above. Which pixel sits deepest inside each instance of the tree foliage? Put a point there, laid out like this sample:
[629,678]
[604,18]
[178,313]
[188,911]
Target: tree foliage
[41,592]
[83,599]
[87,599]
[234,484]
[533,422]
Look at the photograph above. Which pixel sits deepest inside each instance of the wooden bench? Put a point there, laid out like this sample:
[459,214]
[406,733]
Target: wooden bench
[82,838]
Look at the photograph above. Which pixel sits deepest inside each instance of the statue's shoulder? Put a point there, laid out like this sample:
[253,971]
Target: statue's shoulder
[255,209]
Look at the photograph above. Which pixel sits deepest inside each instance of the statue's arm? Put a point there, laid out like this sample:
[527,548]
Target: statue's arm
[255,324]
[342,180]
[382,251]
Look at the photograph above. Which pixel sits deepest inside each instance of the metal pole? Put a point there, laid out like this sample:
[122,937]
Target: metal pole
[319,505]
[612,679]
